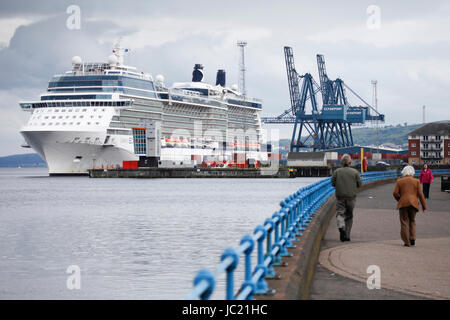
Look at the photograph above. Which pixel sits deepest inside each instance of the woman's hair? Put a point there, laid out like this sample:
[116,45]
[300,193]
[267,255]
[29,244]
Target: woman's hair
[346,160]
[408,171]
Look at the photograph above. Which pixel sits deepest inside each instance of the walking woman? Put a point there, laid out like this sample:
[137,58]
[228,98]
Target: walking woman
[408,192]
[426,177]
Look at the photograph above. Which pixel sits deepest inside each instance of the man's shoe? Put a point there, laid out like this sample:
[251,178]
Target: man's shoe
[342,234]
[412,242]
[347,239]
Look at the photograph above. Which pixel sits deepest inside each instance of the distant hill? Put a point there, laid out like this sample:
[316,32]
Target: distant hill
[22,160]
[395,135]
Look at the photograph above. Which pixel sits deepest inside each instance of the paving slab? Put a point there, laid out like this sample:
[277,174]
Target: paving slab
[422,270]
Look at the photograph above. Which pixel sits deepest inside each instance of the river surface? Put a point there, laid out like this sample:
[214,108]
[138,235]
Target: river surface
[130,238]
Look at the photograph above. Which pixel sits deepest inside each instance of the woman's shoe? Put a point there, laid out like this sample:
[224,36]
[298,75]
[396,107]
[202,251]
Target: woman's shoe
[413,242]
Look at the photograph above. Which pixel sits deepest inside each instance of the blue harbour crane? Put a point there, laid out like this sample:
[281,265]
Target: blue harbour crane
[325,128]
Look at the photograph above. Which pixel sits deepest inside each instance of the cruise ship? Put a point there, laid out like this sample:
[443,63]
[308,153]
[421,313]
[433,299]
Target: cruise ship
[86,118]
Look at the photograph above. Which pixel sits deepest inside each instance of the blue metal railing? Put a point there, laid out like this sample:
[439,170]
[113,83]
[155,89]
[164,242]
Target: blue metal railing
[279,233]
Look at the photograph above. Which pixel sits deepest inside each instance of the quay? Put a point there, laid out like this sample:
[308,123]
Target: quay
[203,172]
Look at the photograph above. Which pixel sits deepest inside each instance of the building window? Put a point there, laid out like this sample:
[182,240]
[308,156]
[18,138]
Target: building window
[413,153]
[413,145]
[425,138]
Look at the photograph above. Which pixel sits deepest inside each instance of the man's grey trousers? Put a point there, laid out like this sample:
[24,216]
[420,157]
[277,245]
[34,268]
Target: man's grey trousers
[344,215]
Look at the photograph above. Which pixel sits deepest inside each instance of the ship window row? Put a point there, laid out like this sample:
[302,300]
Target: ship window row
[118,132]
[66,117]
[64,123]
[146,108]
[108,89]
[68,110]
[198,100]
[80,104]
[204,92]
[99,81]
[237,110]
[77,97]
[245,103]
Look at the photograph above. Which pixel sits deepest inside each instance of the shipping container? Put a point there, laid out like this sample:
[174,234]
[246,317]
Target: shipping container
[130,164]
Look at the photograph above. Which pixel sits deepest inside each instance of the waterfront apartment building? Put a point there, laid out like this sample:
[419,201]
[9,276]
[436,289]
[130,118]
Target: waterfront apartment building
[430,144]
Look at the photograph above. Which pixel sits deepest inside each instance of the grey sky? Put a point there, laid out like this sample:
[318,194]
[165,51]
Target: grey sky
[409,55]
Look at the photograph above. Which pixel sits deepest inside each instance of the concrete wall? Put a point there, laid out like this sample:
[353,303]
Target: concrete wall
[189,173]
[310,159]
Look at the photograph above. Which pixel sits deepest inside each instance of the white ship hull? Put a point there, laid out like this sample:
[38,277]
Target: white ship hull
[75,158]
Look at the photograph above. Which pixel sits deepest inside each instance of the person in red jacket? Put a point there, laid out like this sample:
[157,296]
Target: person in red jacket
[426,177]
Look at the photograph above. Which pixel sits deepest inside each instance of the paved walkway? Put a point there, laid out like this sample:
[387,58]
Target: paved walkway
[420,272]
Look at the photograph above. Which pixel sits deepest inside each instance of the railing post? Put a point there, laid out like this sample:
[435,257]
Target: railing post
[284,252]
[208,276]
[270,269]
[291,224]
[277,219]
[248,264]
[301,216]
[261,284]
[230,253]
[298,221]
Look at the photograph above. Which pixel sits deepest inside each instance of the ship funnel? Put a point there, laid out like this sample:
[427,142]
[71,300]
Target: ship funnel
[220,79]
[197,74]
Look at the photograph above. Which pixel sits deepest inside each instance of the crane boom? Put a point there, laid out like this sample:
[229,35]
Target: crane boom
[292,80]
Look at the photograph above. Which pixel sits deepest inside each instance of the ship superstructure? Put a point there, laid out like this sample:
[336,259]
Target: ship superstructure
[86,117]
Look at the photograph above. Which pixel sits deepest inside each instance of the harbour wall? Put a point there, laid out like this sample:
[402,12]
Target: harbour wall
[190,173]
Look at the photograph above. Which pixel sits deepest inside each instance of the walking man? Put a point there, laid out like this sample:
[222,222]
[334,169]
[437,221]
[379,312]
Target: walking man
[346,180]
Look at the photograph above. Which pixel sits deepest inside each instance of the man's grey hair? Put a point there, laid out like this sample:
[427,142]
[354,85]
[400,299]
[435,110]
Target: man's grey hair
[408,171]
[346,160]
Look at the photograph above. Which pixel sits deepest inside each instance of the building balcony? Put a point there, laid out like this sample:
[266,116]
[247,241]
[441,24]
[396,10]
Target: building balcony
[431,148]
[431,156]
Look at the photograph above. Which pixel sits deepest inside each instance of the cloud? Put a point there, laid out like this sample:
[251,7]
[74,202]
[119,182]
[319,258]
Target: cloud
[9,26]
[390,34]
[41,49]
[12,119]
[408,55]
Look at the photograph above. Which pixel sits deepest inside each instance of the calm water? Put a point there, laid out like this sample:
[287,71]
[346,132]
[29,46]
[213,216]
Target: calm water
[131,238]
